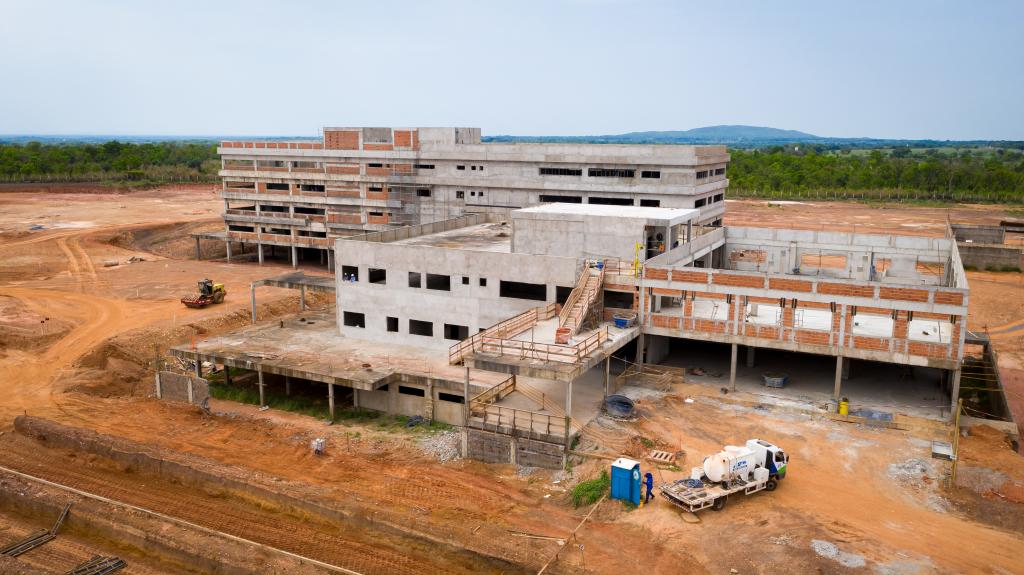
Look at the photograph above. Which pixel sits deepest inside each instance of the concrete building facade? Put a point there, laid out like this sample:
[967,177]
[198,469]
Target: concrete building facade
[300,195]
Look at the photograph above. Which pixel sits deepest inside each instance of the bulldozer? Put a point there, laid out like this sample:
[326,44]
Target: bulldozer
[209,293]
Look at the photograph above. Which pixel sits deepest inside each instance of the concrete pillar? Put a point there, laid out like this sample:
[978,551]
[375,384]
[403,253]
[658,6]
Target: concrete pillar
[259,252]
[302,297]
[839,377]
[263,397]
[607,374]
[287,385]
[513,448]
[330,399]
[252,301]
[640,343]
[732,368]
[295,257]
[355,398]
[392,398]
[689,231]
[199,254]
[568,399]
[750,356]
[330,262]
[159,386]
[465,402]
[227,247]
[954,393]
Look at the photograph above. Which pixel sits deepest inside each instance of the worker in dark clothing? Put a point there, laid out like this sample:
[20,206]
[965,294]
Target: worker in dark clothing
[649,482]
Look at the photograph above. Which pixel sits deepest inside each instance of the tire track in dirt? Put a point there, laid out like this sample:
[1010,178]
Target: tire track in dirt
[344,546]
[73,268]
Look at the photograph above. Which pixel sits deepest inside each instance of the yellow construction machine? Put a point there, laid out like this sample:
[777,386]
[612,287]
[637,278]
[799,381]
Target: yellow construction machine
[209,293]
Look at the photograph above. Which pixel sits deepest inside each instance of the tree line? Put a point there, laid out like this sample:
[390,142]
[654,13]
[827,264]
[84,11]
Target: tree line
[115,162]
[792,171]
[899,173]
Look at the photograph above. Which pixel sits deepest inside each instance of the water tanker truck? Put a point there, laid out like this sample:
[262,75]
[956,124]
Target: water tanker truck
[755,466]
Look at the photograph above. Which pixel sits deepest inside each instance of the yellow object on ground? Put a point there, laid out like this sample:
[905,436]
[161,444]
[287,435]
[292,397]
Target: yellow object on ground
[844,407]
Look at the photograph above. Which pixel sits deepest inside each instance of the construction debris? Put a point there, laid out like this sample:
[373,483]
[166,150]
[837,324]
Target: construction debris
[36,539]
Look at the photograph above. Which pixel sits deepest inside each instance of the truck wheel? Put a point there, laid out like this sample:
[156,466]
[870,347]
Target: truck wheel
[770,485]
[719,503]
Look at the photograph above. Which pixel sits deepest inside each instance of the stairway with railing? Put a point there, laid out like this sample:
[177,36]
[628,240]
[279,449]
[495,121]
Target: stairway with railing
[582,298]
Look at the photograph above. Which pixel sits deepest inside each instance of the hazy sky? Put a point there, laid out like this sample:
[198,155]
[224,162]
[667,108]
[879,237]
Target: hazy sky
[894,69]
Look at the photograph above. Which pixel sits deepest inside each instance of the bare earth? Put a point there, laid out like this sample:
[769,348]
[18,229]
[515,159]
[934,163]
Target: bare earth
[76,337]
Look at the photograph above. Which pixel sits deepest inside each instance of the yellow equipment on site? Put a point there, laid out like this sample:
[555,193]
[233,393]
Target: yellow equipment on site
[209,293]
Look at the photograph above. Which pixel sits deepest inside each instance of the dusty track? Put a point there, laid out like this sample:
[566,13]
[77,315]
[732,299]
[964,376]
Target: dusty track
[307,536]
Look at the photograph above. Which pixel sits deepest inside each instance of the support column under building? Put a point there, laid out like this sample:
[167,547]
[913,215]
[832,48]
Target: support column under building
[954,393]
[732,367]
[839,377]
[259,253]
[330,257]
[287,385]
[330,399]
[227,249]
[607,374]
[252,301]
[263,397]
[295,257]
[302,298]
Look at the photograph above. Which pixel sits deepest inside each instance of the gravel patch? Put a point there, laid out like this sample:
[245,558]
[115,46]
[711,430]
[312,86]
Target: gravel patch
[980,479]
[829,550]
[912,471]
[444,446]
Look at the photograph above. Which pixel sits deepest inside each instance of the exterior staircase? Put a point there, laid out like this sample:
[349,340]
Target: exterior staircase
[582,298]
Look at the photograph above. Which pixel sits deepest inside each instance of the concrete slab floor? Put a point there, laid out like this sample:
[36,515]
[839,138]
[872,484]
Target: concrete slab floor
[487,237]
[891,388]
[587,395]
[315,346]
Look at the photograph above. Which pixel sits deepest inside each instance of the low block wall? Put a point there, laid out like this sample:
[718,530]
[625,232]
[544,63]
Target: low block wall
[492,447]
[172,386]
[988,256]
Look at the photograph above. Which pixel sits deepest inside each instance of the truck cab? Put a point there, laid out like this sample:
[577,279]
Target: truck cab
[773,458]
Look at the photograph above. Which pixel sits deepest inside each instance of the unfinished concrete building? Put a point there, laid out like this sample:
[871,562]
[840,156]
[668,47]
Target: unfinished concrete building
[512,323]
[298,196]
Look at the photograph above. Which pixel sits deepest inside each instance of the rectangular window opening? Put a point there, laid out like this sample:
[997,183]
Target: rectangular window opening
[415,279]
[561,171]
[650,174]
[561,199]
[650,203]
[353,319]
[439,282]
[610,201]
[422,193]
[523,290]
[418,327]
[406,390]
[610,173]
[350,273]
[455,332]
[392,324]
[377,276]
[442,396]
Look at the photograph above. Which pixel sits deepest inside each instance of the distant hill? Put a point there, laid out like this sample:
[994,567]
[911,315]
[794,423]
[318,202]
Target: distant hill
[723,134]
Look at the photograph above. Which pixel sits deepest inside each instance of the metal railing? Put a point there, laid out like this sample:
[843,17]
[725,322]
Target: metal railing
[504,329]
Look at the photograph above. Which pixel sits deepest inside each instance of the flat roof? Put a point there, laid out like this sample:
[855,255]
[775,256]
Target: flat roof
[650,215]
[486,237]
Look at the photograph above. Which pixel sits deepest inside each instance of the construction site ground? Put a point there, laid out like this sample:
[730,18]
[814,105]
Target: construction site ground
[77,338]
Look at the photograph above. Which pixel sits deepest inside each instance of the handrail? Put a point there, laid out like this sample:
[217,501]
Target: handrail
[494,391]
[519,419]
[507,329]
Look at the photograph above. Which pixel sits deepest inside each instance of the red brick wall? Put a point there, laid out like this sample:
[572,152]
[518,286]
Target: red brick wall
[846,289]
[811,337]
[380,147]
[667,321]
[655,273]
[376,171]
[687,276]
[403,139]
[667,292]
[789,285]
[902,294]
[341,140]
[949,298]
[350,169]
[738,280]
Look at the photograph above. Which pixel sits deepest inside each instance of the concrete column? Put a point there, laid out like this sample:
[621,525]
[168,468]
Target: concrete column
[159,386]
[302,297]
[607,374]
[263,397]
[259,252]
[954,393]
[732,368]
[392,398]
[295,257]
[330,399]
[330,258]
[227,247]
[355,398]
[513,448]
[750,356]
[839,377]
[689,231]
[252,301]
[199,254]
[287,385]
[640,343]
[465,404]
[568,399]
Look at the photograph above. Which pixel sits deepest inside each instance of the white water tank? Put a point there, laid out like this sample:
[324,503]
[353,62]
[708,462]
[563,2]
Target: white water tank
[761,475]
[730,463]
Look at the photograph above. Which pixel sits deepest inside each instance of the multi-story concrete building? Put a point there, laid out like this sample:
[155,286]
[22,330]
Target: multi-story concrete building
[300,195]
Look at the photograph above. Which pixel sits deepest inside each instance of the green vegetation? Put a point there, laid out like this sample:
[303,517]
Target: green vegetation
[113,162]
[251,395]
[894,174]
[587,492]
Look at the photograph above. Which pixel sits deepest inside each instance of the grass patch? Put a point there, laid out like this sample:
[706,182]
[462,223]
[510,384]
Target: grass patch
[296,404]
[587,492]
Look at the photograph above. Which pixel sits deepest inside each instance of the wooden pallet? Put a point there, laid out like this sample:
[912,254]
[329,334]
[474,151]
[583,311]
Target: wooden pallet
[663,457]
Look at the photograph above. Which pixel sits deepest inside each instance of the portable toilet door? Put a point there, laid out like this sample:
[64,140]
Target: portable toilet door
[626,480]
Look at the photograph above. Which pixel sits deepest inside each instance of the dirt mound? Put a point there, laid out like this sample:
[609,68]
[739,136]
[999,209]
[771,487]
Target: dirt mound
[21,328]
[171,240]
[123,364]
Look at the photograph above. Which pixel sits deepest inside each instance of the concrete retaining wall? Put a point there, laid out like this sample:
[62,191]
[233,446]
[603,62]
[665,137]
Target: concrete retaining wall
[989,256]
[172,386]
[979,234]
[492,447]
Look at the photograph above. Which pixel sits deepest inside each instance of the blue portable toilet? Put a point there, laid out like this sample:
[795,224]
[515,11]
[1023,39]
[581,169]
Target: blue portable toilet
[626,480]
